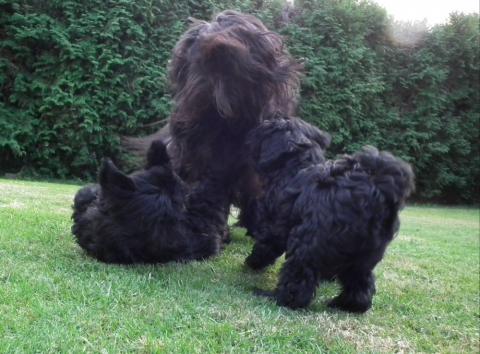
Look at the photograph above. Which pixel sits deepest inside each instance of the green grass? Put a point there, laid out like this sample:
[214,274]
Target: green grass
[55,299]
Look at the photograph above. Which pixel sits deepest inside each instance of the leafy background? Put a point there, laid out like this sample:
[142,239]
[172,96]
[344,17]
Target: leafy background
[75,76]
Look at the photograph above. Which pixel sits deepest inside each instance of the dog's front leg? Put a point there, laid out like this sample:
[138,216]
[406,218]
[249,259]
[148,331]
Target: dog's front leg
[264,254]
[297,285]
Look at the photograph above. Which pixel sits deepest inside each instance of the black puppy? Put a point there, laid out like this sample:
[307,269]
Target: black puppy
[149,217]
[334,219]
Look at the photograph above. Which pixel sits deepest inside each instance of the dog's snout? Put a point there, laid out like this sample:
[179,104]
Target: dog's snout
[220,43]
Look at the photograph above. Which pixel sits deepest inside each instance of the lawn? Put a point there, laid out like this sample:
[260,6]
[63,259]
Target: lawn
[55,299]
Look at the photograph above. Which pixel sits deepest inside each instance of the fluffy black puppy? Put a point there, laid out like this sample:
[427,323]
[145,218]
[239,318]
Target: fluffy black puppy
[149,217]
[333,219]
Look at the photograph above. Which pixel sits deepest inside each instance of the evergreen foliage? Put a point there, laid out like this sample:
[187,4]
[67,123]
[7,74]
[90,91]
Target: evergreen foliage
[76,75]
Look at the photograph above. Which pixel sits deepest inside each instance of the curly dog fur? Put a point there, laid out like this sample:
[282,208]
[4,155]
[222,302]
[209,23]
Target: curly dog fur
[333,219]
[150,216]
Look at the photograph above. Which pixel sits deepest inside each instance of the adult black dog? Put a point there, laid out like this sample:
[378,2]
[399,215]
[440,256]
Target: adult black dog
[226,75]
[334,219]
[150,217]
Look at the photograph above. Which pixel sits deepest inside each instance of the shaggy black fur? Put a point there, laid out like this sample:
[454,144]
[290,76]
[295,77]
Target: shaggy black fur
[226,76]
[334,219]
[149,217]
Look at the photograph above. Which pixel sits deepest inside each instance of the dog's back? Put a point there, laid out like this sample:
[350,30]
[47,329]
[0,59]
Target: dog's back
[392,176]
[353,204]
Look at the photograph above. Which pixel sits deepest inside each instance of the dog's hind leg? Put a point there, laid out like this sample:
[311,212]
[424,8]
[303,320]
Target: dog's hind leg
[300,275]
[265,252]
[358,288]
[262,256]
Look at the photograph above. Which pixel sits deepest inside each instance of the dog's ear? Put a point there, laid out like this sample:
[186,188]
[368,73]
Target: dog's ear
[157,154]
[113,180]
[311,132]
[280,144]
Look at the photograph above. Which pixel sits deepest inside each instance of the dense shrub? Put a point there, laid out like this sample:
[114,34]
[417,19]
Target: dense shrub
[419,100]
[76,75]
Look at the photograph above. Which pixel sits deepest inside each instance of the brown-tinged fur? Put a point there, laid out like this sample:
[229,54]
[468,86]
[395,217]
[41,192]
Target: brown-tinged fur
[226,75]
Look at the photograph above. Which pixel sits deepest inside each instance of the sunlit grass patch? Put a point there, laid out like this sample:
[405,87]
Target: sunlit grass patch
[53,298]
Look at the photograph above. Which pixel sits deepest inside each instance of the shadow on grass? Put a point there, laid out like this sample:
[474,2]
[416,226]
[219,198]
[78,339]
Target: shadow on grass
[226,272]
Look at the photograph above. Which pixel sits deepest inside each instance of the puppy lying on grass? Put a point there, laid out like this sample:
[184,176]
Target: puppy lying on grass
[150,217]
[333,219]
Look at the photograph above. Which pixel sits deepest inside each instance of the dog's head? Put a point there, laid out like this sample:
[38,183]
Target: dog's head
[233,65]
[276,141]
[156,188]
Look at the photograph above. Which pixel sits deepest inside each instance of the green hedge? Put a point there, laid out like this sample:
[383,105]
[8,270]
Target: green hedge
[419,101]
[76,75]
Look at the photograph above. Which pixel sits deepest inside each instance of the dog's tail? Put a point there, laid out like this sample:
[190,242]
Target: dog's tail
[139,146]
[391,175]
[157,154]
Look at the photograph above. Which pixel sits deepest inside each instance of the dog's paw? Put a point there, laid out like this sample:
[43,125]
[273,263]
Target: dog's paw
[226,237]
[293,300]
[341,303]
[254,263]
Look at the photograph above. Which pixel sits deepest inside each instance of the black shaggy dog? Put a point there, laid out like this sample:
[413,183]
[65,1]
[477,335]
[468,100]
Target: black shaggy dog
[334,219]
[226,75]
[149,217]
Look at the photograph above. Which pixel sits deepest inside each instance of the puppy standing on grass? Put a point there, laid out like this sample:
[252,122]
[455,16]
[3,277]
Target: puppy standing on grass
[334,219]
[149,217]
